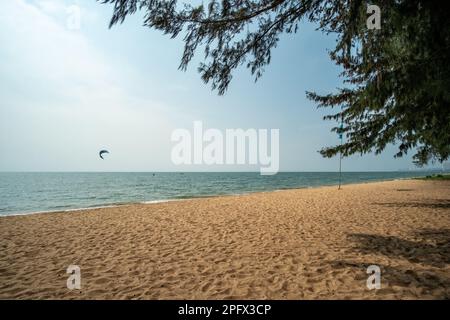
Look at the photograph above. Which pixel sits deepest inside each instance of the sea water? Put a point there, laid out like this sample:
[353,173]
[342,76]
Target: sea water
[36,192]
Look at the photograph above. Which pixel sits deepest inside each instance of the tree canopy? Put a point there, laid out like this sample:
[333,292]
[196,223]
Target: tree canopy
[397,78]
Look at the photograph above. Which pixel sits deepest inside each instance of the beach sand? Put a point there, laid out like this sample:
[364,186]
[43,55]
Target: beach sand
[292,244]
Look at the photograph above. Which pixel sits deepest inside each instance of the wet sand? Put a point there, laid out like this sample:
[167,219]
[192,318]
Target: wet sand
[292,244]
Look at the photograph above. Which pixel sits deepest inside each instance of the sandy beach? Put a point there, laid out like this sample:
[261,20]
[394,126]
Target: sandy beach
[291,244]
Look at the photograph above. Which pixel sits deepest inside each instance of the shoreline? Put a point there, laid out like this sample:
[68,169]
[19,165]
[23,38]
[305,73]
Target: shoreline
[112,205]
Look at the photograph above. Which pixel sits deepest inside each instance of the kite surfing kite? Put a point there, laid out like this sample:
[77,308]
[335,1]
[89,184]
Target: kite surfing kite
[102,152]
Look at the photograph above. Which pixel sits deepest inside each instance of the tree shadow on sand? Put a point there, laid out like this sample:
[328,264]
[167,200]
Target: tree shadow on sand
[432,204]
[436,284]
[432,247]
[429,250]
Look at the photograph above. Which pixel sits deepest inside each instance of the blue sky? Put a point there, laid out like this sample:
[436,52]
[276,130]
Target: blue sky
[66,94]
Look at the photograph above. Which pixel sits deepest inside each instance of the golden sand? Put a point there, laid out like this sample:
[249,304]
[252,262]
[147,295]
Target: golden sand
[293,244]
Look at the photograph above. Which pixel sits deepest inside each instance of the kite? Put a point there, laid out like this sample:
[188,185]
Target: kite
[102,152]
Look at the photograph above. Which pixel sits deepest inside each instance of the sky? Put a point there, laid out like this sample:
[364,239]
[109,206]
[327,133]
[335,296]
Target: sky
[68,92]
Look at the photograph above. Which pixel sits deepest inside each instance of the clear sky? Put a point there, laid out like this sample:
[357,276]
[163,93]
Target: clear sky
[66,94]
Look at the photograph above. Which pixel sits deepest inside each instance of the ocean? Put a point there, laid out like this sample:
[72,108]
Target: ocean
[31,192]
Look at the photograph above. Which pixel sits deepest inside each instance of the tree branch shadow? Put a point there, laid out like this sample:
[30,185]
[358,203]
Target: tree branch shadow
[433,247]
[429,250]
[427,281]
[432,204]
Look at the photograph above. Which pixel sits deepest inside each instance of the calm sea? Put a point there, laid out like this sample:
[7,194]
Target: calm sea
[36,192]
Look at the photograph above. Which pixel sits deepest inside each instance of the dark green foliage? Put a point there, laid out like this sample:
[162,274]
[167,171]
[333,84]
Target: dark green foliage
[436,177]
[397,78]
